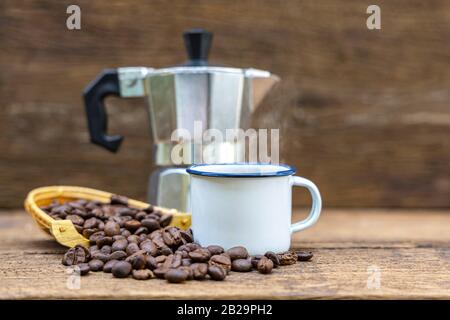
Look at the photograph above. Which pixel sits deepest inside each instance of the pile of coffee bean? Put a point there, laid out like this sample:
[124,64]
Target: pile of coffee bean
[127,241]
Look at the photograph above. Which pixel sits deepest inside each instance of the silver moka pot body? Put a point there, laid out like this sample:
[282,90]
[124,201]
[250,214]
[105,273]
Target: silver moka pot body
[183,101]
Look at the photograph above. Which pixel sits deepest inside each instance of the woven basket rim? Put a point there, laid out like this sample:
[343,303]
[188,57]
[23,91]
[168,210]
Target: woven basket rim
[49,193]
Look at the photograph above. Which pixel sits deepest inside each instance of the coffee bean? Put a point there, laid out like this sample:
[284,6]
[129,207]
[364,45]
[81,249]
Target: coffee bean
[91,205]
[241,265]
[143,274]
[104,241]
[82,214]
[101,256]
[151,262]
[79,229]
[184,248]
[90,223]
[157,234]
[76,220]
[83,268]
[274,257]
[106,249]
[55,217]
[125,212]
[93,249]
[62,210]
[186,262]
[76,255]
[87,233]
[157,212]
[189,272]
[176,260]
[168,263]
[159,272]
[143,237]
[119,237]
[176,275]
[149,247]
[200,255]
[108,266]
[304,255]
[184,254]
[75,205]
[221,261]
[149,209]
[133,238]
[238,252]
[287,258]
[192,246]
[186,235]
[137,261]
[125,233]
[150,224]
[142,231]
[132,225]
[82,202]
[98,212]
[108,211]
[132,248]
[255,259]
[165,251]
[120,221]
[217,273]
[112,228]
[168,239]
[119,245]
[161,245]
[265,265]
[165,220]
[121,269]
[199,270]
[161,259]
[140,215]
[214,249]
[153,216]
[96,265]
[116,199]
[117,255]
[48,209]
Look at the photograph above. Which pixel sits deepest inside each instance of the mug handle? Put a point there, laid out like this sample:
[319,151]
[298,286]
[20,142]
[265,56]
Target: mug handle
[185,186]
[316,203]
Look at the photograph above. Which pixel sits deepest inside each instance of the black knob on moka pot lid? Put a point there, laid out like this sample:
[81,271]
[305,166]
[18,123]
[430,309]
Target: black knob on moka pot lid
[197,43]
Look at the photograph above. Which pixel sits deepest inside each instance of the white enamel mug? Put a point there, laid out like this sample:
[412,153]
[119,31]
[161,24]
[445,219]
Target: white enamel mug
[247,205]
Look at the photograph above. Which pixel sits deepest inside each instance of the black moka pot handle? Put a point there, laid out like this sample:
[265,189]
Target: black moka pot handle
[106,84]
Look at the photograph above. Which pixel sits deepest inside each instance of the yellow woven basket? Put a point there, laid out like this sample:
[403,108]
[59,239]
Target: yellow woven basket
[63,230]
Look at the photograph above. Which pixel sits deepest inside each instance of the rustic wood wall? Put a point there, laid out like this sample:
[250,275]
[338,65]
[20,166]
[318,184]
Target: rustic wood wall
[365,114]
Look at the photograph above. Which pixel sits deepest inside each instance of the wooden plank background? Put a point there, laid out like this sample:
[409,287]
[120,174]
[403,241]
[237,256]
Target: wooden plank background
[365,114]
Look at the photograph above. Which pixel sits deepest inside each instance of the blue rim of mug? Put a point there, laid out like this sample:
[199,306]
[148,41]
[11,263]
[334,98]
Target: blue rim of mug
[196,170]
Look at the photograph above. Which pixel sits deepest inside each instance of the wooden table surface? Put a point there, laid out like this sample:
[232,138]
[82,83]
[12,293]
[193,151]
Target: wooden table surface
[408,251]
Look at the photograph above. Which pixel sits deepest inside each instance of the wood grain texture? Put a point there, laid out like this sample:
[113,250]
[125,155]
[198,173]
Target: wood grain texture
[411,253]
[364,114]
